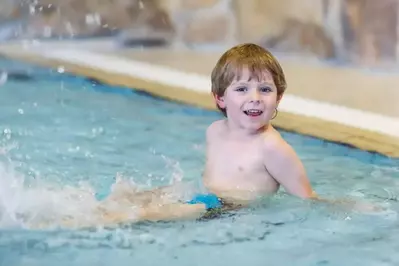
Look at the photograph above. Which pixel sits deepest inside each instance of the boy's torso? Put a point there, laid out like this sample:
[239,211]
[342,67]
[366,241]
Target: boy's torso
[236,169]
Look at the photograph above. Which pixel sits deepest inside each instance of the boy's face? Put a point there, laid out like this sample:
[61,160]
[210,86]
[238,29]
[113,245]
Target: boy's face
[250,103]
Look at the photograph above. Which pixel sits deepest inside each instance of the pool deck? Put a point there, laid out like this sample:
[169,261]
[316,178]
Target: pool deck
[351,106]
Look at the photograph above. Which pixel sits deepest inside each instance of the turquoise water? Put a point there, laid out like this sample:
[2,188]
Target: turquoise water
[65,138]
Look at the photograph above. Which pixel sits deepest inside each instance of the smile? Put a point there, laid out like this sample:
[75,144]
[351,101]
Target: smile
[253,112]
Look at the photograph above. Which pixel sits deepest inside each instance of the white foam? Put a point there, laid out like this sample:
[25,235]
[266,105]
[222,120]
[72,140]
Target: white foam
[46,206]
[39,204]
[201,83]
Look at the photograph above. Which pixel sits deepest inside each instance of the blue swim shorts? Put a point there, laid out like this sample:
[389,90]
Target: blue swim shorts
[211,201]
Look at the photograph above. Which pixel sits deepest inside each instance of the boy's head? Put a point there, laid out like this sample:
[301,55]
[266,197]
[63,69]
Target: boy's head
[248,76]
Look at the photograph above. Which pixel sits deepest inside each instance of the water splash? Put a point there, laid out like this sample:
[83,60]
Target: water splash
[39,204]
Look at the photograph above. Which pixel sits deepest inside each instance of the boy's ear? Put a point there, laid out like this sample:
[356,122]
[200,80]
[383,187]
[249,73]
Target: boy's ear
[219,101]
[279,99]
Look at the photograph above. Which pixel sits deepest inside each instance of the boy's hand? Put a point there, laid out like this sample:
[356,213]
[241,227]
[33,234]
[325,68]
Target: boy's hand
[352,205]
[365,207]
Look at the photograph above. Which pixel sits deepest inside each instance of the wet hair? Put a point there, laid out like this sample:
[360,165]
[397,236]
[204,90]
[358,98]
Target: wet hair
[255,58]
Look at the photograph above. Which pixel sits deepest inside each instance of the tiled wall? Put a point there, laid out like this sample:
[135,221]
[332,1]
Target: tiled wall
[354,32]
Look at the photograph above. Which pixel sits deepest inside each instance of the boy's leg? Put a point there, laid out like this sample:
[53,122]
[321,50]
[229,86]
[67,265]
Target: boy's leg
[124,191]
[170,212]
[151,212]
[162,203]
[127,204]
[104,215]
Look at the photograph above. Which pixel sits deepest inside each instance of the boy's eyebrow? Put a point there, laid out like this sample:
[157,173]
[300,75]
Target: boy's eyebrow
[245,83]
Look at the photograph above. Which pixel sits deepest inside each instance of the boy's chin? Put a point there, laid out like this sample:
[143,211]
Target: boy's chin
[255,127]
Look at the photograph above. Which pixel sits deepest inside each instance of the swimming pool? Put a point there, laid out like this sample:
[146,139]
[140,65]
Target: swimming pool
[65,136]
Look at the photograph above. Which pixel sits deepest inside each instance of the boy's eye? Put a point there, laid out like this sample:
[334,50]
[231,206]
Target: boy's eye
[265,89]
[241,89]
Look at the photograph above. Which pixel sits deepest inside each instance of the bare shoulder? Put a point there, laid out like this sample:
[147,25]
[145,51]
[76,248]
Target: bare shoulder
[214,129]
[274,144]
[282,162]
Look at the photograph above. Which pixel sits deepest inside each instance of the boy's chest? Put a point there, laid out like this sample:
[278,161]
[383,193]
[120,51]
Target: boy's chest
[236,157]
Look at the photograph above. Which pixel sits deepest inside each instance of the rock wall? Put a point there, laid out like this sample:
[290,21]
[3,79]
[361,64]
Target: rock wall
[357,32]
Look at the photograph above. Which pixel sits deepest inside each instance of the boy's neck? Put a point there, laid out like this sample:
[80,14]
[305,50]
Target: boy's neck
[238,132]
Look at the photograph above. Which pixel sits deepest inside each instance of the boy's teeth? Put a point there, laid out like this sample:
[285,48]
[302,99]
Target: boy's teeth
[253,112]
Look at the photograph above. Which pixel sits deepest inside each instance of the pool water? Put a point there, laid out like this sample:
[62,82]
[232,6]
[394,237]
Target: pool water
[65,138]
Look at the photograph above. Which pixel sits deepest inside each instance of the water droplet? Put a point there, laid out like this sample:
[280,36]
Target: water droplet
[74,149]
[3,78]
[32,9]
[35,42]
[141,4]
[47,31]
[147,238]
[21,111]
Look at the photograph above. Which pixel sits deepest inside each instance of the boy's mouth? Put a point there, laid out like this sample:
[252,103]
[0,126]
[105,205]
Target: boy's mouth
[253,112]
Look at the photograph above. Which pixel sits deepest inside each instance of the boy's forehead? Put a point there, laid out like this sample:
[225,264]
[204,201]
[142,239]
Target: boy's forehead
[246,75]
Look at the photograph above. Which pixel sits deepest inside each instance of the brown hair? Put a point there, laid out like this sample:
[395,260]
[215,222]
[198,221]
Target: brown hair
[254,57]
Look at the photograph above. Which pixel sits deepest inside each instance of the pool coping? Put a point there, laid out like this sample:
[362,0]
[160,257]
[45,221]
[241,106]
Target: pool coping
[296,114]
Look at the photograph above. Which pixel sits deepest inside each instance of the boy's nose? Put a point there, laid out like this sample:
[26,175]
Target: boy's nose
[255,95]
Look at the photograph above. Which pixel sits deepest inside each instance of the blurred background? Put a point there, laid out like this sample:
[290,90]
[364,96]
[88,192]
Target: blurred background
[360,33]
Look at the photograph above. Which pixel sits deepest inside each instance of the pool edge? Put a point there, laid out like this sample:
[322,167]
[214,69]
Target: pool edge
[331,131]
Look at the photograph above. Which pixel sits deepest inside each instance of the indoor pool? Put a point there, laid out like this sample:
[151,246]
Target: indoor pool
[65,138]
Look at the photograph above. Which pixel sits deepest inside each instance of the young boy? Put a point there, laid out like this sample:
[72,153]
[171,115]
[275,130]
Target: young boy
[246,158]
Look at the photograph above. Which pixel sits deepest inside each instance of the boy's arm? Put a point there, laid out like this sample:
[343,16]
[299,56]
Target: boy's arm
[287,169]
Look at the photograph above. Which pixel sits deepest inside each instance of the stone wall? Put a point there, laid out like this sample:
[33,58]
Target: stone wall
[357,32]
